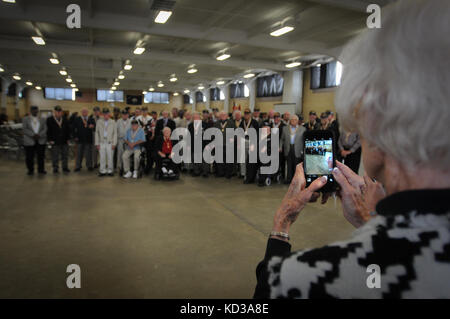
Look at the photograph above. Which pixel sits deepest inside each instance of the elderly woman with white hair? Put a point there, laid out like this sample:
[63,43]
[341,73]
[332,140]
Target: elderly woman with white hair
[394,94]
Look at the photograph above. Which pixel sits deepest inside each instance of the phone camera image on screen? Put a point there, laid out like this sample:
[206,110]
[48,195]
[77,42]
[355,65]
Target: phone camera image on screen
[319,157]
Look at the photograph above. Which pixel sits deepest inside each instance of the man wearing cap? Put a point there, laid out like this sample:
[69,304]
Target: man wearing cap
[116,113]
[333,125]
[58,135]
[34,139]
[106,141]
[135,136]
[122,126]
[286,118]
[95,117]
[247,124]
[293,146]
[83,134]
[257,116]
[312,123]
[148,125]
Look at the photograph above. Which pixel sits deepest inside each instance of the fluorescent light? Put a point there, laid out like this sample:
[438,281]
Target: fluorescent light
[2,69]
[75,89]
[17,77]
[63,72]
[113,88]
[69,80]
[121,77]
[127,67]
[293,64]
[223,56]
[144,92]
[160,84]
[175,94]
[281,31]
[54,60]
[73,85]
[318,65]
[192,70]
[38,40]
[29,83]
[116,83]
[163,16]
[10,1]
[173,79]
[201,87]
[139,50]
[186,91]
[249,75]
[151,89]
[38,87]
[220,82]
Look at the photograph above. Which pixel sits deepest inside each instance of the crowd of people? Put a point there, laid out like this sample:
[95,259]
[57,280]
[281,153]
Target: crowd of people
[108,141]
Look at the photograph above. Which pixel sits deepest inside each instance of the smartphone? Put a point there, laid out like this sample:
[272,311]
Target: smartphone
[319,157]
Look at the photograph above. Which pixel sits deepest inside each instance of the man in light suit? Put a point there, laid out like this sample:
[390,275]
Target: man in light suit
[34,139]
[122,126]
[106,141]
[292,141]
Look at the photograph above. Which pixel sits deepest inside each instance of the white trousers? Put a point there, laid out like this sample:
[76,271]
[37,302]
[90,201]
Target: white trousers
[106,158]
[126,159]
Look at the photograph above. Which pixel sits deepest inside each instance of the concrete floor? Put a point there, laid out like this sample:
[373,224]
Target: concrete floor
[192,238]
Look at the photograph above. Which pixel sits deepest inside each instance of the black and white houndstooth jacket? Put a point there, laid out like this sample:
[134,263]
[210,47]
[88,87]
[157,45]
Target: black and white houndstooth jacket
[409,240]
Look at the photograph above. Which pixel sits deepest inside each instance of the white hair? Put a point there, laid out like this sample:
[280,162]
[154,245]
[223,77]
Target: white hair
[394,89]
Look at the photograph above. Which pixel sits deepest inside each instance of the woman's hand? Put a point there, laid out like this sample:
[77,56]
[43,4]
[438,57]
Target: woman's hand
[295,199]
[359,195]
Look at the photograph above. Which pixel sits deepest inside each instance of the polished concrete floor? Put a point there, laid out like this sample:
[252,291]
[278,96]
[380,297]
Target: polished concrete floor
[192,238]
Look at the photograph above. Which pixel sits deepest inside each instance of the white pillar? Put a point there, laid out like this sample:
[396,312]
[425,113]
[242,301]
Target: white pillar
[252,93]
[226,93]
[293,89]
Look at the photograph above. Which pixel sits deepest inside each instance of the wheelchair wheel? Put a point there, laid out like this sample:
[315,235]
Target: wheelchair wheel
[278,178]
[268,181]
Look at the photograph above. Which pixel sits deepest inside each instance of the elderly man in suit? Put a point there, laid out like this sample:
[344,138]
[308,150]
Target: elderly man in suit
[83,134]
[292,140]
[248,124]
[106,141]
[34,139]
[163,122]
[122,126]
[58,135]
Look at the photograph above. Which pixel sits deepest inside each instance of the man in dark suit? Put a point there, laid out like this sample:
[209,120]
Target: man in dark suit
[224,168]
[95,117]
[247,124]
[58,135]
[83,135]
[278,123]
[165,121]
[34,139]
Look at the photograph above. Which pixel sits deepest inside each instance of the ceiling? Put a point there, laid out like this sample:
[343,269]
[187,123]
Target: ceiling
[197,30]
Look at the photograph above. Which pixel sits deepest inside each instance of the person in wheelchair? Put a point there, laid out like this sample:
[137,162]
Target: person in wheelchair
[266,148]
[165,167]
[134,138]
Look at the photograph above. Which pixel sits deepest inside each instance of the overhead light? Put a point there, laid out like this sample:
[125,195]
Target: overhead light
[249,75]
[163,16]
[116,83]
[293,64]
[192,69]
[73,85]
[121,77]
[128,67]
[223,56]
[282,30]
[54,60]
[175,94]
[29,83]
[221,82]
[76,89]
[17,77]
[144,92]
[201,87]
[69,79]
[151,89]
[10,1]
[173,78]
[38,40]
[63,72]
[186,91]
[160,84]
[38,87]
[2,69]
[318,64]
[139,50]
[113,88]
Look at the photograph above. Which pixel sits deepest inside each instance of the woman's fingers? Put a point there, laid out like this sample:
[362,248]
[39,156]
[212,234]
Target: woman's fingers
[342,180]
[353,178]
[317,184]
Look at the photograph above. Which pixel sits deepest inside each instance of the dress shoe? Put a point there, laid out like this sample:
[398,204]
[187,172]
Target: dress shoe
[101,174]
[30,173]
[66,170]
[77,169]
[42,172]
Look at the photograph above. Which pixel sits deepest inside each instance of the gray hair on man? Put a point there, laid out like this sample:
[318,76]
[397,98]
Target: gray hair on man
[394,89]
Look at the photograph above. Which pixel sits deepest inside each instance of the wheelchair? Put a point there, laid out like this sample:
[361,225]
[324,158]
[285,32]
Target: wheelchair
[163,168]
[268,179]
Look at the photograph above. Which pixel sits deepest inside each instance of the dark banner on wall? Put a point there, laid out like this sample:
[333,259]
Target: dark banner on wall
[214,94]
[134,99]
[237,90]
[198,97]
[270,86]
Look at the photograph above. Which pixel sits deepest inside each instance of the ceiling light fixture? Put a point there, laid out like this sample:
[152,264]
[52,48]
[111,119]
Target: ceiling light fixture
[173,78]
[223,55]
[151,89]
[116,83]
[121,77]
[113,88]
[281,31]
[293,64]
[17,77]
[127,65]
[73,85]
[249,75]
[38,40]
[186,91]
[175,94]
[2,69]
[163,16]
[9,1]
[69,79]
[38,87]
[201,87]
[139,50]
[221,82]
[144,92]
[192,69]
[54,60]
[29,83]
[63,72]
[160,84]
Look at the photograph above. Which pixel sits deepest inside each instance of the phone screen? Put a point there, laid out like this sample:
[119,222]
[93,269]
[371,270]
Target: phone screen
[319,159]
